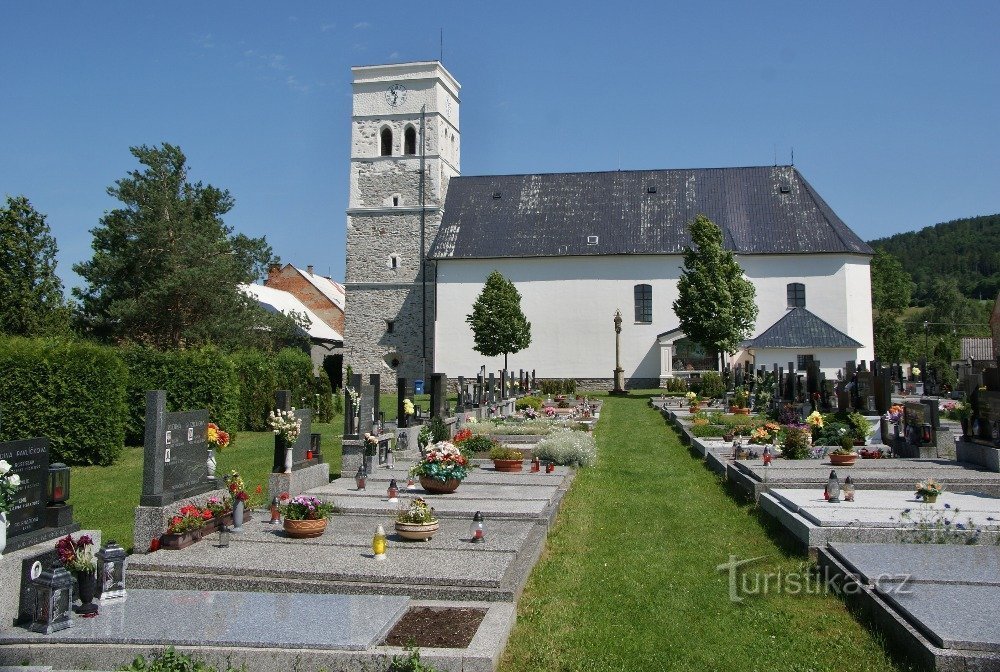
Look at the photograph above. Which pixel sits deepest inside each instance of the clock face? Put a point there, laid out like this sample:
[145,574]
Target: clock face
[395,95]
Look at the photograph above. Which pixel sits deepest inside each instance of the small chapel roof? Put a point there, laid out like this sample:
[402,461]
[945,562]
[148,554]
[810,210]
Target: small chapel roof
[761,210]
[798,328]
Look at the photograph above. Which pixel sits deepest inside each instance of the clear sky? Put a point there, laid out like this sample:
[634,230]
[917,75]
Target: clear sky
[892,108]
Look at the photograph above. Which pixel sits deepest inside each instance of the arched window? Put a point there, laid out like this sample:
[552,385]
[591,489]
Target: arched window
[796,295]
[643,303]
[386,142]
[410,140]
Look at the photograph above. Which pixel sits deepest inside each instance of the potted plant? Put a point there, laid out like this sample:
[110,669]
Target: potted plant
[305,515]
[844,456]
[221,508]
[417,522]
[78,558]
[929,490]
[693,401]
[442,469]
[506,459]
[798,442]
[741,398]
[185,528]
[286,428]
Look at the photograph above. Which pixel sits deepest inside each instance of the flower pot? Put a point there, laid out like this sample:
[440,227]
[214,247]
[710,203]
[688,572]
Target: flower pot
[304,529]
[740,410]
[175,542]
[929,499]
[417,531]
[3,533]
[238,518]
[437,487]
[842,460]
[508,465]
[694,409]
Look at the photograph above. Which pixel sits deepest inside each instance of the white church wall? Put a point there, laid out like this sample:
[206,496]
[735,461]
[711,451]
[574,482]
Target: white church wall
[831,360]
[571,302]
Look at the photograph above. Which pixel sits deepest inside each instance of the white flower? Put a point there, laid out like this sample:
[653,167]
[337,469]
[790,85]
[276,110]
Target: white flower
[14,480]
[4,467]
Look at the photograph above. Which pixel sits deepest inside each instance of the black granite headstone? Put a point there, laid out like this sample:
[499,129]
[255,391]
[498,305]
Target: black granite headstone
[989,415]
[460,404]
[29,459]
[176,451]
[401,419]
[865,390]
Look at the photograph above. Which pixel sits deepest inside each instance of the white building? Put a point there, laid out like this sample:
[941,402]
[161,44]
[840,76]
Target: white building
[323,339]
[579,246]
[421,241]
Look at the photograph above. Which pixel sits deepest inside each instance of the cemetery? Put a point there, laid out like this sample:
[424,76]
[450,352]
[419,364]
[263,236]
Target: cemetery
[903,497]
[416,524]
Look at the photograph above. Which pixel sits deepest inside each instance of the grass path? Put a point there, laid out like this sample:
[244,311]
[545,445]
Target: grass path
[629,582]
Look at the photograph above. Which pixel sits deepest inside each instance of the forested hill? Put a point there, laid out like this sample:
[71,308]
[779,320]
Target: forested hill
[965,249]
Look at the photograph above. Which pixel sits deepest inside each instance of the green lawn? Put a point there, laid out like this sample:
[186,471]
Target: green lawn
[628,580]
[105,498]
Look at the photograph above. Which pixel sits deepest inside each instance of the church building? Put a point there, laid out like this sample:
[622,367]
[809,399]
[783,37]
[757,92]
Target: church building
[578,247]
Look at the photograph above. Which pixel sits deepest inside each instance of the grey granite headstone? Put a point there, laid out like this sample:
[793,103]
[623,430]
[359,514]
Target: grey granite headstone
[367,416]
[375,380]
[460,403]
[29,459]
[175,454]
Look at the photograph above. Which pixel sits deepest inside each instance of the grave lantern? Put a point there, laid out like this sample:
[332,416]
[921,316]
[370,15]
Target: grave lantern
[275,511]
[360,477]
[111,572]
[768,456]
[410,483]
[53,597]
[393,491]
[550,467]
[833,487]
[477,531]
[58,484]
[848,489]
[379,543]
[390,461]
[224,534]
[536,465]
[925,433]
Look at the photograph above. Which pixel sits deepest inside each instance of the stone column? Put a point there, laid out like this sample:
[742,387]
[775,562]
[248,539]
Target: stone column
[619,373]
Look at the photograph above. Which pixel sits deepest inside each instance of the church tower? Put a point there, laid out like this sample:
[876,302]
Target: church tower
[404,150]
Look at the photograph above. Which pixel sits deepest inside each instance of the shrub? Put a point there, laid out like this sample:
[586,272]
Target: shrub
[193,379]
[540,426]
[293,370]
[712,385]
[439,430]
[479,444]
[256,375]
[798,442]
[702,431]
[564,446]
[499,452]
[322,395]
[69,391]
[676,385]
[528,402]
[569,386]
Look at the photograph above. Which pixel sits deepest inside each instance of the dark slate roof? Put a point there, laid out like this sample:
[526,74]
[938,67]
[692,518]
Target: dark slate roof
[801,329]
[761,210]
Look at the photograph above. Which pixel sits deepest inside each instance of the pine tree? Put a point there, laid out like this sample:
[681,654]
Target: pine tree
[497,322]
[32,295]
[715,303]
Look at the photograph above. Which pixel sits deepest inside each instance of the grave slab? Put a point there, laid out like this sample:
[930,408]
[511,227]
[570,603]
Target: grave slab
[883,508]
[923,563]
[258,620]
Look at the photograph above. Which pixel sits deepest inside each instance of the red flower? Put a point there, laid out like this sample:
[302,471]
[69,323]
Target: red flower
[259,489]
[154,545]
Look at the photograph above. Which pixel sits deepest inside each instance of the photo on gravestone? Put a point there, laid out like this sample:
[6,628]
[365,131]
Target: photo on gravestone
[185,453]
[29,459]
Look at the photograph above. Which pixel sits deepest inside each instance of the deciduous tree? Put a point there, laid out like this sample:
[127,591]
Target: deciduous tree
[715,304]
[498,324]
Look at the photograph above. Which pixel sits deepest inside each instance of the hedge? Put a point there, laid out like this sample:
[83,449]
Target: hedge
[193,379]
[72,392]
[256,374]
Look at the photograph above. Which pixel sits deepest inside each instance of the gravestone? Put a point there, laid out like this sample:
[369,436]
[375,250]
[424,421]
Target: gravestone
[460,402]
[439,395]
[303,442]
[491,393]
[366,417]
[503,384]
[401,419]
[479,393]
[29,459]
[174,464]
[375,380]
[865,390]
[989,416]
[914,417]
[533,380]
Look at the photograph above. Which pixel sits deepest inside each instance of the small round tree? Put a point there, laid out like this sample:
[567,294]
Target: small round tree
[498,324]
[715,304]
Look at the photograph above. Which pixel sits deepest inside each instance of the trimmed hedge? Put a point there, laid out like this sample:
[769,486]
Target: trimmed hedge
[258,383]
[293,370]
[202,378]
[72,392]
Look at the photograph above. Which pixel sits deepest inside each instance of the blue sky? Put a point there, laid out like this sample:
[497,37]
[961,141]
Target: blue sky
[892,108]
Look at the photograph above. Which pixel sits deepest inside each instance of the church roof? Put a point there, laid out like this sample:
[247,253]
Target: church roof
[279,301]
[761,210]
[799,328]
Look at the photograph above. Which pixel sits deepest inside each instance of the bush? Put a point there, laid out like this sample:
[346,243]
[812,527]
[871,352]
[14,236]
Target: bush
[712,386]
[798,442]
[528,402]
[499,452]
[553,386]
[193,379]
[676,385]
[323,404]
[255,371]
[540,426]
[478,444]
[171,661]
[69,391]
[565,446]
[702,431]
[439,430]
[293,371]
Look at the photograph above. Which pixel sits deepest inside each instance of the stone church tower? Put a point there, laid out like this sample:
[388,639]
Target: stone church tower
[405,146]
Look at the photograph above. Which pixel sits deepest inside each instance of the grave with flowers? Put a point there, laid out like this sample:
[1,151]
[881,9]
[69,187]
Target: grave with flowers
[298,460]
